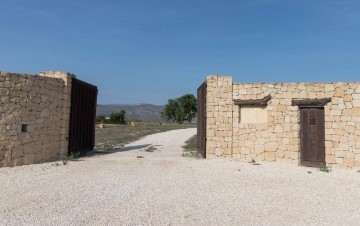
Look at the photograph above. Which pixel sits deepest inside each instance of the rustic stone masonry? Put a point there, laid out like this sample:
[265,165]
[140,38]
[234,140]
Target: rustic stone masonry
[35,112]
[231,133]
[219,108]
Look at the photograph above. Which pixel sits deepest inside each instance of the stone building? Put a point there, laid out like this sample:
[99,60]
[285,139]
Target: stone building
[35,117]
[297,123]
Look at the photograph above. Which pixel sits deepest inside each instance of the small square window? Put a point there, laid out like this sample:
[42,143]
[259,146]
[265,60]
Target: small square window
[24,128]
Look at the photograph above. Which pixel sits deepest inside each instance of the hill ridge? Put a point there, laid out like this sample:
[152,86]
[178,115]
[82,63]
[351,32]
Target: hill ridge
[143,112]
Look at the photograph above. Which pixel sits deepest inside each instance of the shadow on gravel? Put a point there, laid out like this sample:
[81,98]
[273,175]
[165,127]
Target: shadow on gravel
[110,151]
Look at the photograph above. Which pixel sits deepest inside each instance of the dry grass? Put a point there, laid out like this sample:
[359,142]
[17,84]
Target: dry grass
[190,149]
[150,149]
[116,136]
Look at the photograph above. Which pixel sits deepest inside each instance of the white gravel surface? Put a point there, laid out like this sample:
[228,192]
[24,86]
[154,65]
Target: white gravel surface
[164,188]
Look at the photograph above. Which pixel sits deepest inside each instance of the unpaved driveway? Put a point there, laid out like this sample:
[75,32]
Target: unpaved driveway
[164,188]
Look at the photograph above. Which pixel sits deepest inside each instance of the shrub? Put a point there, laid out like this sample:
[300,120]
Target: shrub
[325,168]
[118,117]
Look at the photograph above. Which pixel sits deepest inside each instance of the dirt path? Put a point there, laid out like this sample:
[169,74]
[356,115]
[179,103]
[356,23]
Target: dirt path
[164,188]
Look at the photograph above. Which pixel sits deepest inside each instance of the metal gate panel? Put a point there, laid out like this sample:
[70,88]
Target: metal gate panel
[82,117]
[201,120]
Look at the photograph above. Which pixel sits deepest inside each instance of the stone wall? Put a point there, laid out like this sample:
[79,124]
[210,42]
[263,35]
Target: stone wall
[278,139]
[66,99]
[219,116]
[34,117]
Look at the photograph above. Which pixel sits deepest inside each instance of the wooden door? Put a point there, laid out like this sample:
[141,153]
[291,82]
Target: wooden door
[312,136]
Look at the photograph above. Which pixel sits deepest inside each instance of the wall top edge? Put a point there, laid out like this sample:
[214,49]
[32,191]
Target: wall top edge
[58,73]
[293,83]
[6,73]
[220,76]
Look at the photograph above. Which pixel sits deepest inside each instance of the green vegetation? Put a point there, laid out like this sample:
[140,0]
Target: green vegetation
[116,136]
[190,149]
[71,157]
[180,109]
[115,118]
[118,117]
[325,168]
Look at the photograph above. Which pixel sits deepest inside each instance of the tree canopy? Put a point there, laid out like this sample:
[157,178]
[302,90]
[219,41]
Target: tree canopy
[180,109]
[118,117]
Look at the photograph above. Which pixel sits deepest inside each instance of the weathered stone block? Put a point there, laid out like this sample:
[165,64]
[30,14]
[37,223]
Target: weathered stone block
[356,96]
[347,112]
[330,159]
[29,159]
[348,162]
[270,156]
[32,148]
[339,161]
[356,103]
[339,154]
[24,138]
[357,90]
[17,151]
[280,108]
[45,113]
[245,150]
[339,92]
[356,112]
[348,98]
[18,161]
[329,87]
[295,155]
[335,112]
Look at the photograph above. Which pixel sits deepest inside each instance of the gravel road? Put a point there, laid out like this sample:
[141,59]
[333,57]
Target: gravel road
[163,188]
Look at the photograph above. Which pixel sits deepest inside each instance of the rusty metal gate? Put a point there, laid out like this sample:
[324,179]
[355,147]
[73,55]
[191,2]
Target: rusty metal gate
[82,117]
[201,120]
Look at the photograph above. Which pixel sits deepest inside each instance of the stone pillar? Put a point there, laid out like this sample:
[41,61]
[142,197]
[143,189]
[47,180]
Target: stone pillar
[219,106]
[65,122]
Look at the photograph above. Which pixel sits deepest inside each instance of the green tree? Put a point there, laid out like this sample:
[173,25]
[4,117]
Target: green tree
[118,117]
[181,109]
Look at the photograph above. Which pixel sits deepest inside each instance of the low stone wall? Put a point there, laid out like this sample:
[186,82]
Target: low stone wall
[34,117]
[278,139]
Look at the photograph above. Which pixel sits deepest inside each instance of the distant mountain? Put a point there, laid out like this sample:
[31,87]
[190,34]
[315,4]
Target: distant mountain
[144,112]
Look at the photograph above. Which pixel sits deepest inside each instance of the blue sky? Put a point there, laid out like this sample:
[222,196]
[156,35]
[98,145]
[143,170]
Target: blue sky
[147,51]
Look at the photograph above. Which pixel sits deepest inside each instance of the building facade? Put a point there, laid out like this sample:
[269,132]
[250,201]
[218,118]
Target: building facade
[299,123]
[35,117]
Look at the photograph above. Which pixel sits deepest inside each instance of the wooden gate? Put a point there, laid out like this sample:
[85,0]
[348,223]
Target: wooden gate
[201,120]
[82,117]
[312,129]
